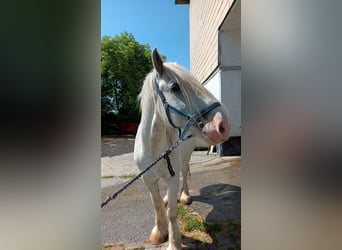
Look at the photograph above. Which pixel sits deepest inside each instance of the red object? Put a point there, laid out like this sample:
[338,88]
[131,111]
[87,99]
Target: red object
[128,127]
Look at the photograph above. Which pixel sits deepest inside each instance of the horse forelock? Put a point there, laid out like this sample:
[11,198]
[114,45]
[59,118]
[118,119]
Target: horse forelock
[188,84]
[186,80]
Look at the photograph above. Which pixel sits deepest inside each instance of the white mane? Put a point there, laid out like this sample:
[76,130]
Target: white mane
[148,97]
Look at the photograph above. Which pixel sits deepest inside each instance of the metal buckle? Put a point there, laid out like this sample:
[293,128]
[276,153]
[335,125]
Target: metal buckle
[191,120]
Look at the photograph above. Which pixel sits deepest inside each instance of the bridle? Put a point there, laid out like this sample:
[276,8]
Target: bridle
[191,119]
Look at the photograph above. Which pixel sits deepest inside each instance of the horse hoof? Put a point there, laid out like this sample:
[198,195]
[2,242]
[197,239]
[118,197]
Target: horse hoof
[185,199]
[157,237]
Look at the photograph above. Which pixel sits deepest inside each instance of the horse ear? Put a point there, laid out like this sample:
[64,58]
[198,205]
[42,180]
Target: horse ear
[157,61]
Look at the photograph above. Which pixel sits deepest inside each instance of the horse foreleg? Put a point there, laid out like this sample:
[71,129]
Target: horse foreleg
[175,241]
[185,197]
[159,231]
[165,200]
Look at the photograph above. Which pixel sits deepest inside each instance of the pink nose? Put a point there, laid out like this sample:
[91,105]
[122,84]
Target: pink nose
[217,130]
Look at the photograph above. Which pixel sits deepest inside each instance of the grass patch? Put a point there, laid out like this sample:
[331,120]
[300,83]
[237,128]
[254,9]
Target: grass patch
[106,246]
[193,226]
[194,222]
[127,176]
[191,221]
[182,212]
[107,177]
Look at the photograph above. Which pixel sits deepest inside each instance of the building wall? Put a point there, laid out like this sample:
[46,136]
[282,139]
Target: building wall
[215,58]
[230,42]
[225,81]
[230,66]
[205,19]
[225,85]
[231,98]
[214,85]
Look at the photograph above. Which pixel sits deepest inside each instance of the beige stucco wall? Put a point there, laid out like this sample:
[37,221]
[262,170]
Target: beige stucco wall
[205,19]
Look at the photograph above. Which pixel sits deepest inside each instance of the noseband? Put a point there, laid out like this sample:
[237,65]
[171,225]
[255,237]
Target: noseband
[191,119]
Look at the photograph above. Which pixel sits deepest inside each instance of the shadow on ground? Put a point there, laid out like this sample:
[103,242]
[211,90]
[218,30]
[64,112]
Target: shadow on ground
[224,200]
[222,214]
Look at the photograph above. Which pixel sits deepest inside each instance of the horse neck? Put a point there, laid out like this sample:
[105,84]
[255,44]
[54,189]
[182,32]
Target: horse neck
[156,135]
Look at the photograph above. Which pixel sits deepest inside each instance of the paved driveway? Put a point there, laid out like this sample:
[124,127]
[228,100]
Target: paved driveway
[214,186]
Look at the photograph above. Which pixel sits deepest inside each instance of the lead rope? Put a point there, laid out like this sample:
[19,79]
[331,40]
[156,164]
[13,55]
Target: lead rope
[164,155]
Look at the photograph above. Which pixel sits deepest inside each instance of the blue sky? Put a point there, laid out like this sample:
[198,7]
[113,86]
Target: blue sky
[160,23]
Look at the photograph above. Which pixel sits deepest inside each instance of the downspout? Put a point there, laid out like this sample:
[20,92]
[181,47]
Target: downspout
[219,49]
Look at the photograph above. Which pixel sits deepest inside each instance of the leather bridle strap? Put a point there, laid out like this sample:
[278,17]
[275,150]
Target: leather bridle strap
[191,119]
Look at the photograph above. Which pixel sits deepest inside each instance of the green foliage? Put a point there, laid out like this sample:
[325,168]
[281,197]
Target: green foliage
[192,222]
[124,65]
[182,212]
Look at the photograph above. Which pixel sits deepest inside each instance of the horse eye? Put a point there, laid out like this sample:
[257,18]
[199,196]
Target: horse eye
[174,86]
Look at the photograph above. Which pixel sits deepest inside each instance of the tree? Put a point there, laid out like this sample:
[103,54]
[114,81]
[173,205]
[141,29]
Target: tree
[124,65]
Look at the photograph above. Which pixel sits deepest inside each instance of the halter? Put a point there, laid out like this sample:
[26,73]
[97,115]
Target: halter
[191,119]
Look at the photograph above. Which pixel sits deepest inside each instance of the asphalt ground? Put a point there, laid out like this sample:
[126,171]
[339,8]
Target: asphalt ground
[127,221]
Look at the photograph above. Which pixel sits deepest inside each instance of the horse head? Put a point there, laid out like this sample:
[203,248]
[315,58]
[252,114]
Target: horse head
[186,104]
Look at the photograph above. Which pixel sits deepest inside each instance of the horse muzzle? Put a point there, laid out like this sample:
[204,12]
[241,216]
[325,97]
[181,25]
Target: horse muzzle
[217,130]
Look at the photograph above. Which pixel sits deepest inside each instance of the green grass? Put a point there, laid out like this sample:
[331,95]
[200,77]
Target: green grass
[192,222]
[125,176]
[107,177]
[182,212]
[111,245]
[194,225]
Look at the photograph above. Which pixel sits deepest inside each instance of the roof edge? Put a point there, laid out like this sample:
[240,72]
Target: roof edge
[182,1]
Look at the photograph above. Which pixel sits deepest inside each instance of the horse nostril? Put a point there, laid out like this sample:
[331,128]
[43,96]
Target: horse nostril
[221,129]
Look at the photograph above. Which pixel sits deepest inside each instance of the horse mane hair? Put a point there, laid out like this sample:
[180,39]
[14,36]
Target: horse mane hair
[187,83]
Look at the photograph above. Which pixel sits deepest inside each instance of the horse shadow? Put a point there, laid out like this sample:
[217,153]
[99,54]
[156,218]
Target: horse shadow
[220,207]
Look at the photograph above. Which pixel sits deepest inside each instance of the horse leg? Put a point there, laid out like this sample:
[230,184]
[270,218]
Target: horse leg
[175,240]
[165,199]
[185,197]
[159,231]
